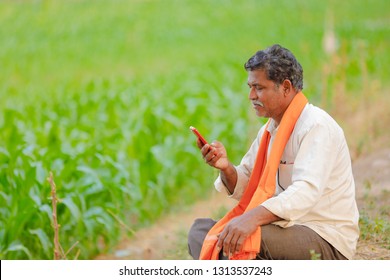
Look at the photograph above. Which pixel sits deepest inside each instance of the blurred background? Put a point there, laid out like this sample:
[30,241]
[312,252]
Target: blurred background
[102,94]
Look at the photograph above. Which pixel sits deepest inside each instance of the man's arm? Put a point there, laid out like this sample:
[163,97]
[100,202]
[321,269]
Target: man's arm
[229,177]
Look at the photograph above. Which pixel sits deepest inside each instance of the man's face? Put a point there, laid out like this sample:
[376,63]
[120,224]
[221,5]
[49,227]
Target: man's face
[267,98]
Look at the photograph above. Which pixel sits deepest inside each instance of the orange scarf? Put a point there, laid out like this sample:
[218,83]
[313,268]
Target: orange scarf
[261,185]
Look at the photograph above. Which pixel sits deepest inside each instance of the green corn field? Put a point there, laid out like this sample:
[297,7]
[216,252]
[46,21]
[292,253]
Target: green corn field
[102,94]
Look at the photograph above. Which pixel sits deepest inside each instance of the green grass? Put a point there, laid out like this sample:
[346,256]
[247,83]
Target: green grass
[374,218]
[102,93]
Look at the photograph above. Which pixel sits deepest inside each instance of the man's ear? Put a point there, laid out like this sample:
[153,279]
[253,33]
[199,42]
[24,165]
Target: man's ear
[287,87]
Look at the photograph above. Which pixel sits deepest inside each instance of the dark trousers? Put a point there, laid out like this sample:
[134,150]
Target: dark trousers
[277,243]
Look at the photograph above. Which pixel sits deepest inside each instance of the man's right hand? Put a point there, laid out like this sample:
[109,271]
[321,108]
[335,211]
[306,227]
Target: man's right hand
[214,155]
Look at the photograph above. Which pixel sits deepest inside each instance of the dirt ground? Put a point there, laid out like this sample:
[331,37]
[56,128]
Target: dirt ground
[372,178]
[166,239]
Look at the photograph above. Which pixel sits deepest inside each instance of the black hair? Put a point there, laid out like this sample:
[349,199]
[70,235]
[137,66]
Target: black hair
[279,64]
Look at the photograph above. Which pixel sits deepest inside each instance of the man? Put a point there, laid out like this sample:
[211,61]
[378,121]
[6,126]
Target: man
[297,197]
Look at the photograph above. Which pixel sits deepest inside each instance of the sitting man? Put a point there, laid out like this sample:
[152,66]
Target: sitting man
[295,185]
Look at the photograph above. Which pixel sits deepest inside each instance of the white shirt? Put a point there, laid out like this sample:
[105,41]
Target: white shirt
[314,183]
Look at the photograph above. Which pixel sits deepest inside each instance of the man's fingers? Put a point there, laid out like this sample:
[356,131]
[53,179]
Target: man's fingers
[239,244]
[209,153]
[224,241]
[233,244]
[212,157]
[221,238]
[203,149]
[231,239]
[227,244]
[199,144]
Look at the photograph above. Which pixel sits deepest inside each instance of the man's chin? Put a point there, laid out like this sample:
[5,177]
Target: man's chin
[261,114]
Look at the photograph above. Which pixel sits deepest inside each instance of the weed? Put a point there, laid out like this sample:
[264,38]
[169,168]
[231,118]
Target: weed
[314,255]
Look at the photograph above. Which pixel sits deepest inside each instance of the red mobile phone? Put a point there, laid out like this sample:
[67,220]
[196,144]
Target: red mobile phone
[196,132]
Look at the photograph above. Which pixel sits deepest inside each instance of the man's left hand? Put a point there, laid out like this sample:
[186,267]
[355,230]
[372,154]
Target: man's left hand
[232,238]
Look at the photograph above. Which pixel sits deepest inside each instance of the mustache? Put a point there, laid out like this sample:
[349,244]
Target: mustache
[256,102]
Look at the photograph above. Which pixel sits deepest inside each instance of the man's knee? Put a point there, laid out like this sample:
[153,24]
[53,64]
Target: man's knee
[296,242]
[197,234]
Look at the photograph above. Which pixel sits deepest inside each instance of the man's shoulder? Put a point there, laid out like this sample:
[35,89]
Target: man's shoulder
[313,116]
[316,113]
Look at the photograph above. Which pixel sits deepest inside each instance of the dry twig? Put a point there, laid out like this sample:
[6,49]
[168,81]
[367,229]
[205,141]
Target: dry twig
[56,226]
[122,223]
[58,251]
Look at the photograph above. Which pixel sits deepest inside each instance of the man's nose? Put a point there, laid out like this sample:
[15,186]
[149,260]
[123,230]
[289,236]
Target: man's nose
[252,94]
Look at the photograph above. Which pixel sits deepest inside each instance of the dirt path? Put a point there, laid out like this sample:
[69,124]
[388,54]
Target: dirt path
[372,178]
[160,241]
[166,239]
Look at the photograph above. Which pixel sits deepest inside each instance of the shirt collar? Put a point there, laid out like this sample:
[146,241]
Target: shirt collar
[272,128]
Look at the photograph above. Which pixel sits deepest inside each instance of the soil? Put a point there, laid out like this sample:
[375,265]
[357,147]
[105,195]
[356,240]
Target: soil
[164,238]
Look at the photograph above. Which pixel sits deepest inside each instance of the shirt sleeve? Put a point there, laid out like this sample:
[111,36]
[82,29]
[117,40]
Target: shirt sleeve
[312,168]
[244,170]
